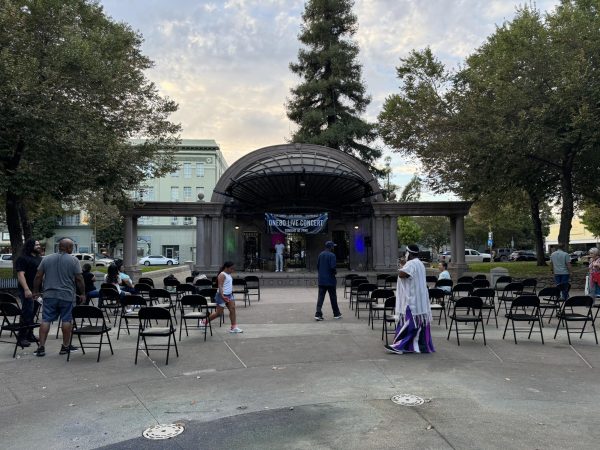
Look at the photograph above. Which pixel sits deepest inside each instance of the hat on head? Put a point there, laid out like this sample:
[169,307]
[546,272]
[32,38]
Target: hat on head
[412,248]
[330,244]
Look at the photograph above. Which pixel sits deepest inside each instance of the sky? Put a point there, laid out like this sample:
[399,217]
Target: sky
[226,62]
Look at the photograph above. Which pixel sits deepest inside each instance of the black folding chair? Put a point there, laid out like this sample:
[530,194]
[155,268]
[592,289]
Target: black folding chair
[209,294]
[430,280]
[202,283]
[129,302]
[375,308]
[143,289]
[159,315]
[354,287]
[253,286]
[199,311]
[183,289]
[445,285]
[480,276]
[89,313]
[5,297]
[189,280]
[146,280]
[480,284]
[487,295]
[459,290]
[524,308]
[529,286]
[511,291]
[389,318]
[170,283]
[465,280]
[348,283]
[11,315]
[580,310]
[390,282]
[239,288]
[109,302]
[437,303]
[380,280]
[550,299]
[463,307]
[363,297]
[162,298]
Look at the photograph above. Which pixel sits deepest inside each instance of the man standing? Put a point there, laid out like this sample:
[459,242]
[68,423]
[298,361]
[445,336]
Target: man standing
[560,263]
[60,274]
[326,267]
[26,266]
[279,248]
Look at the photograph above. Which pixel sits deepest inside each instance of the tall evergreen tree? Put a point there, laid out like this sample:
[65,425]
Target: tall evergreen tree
[327,104]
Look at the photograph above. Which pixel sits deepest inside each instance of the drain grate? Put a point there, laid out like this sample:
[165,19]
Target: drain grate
[407,400]
[167,431]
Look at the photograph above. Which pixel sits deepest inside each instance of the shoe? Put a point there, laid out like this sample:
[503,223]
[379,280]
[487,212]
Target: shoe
[64,350]
[318,318]
[23,343]
[390,349]
[41,351]
[337,317]
[236,330]
[128,310]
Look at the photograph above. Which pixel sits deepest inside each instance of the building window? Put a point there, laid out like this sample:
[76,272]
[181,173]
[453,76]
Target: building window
[199,190]
[148,193]
[174,193]
[174,220]
[71,220]
[175,173]
[145,220]
[187,221]
[187,170]
[187,193]
[199,169]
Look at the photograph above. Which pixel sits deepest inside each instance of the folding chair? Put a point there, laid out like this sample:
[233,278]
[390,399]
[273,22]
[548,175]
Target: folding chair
[511,291]
[389,310]
[354,287]
[390,282]
[445,285]
[437,300]
[170,284]
[480,284]
[583,304]
[480,276]
[460,314]
[146,280]
[550,299]
[239,287]
[209,294]
[197,303]
[143,289]
[375,306]
[253,286]
[501,283]
[5,297]
[529,286]
[109,302]
[11,315]
[458,291]
[130,301]
[348,283]
[144,331]
[202,283]
[530,312]
[363,296]
[87,312]
[380,280]
[183,289]
[189,280]
[487,295]
[465,280]
[162,298]
[430,280]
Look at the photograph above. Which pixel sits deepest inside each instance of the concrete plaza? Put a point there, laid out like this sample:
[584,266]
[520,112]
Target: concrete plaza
[289,382]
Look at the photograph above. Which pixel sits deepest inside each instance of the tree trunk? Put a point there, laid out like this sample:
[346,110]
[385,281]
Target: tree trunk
[534,205]
[566,210]
[25,222]
[13,223]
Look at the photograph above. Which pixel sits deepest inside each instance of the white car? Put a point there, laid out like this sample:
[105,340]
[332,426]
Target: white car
[157,260]
[470,256]
[6,260]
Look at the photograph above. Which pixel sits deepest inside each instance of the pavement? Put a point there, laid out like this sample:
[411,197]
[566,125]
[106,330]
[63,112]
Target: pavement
[289,382]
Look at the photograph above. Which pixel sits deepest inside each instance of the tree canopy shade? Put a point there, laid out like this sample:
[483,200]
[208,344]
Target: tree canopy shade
[327,104]
[72,93]
[517,117]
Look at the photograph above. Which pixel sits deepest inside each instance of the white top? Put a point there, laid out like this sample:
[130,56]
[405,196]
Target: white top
[279,248]
[445,275]
[227,284]
[412,291]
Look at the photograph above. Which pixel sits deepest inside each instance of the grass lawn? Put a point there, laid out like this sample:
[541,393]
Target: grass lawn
[521,269]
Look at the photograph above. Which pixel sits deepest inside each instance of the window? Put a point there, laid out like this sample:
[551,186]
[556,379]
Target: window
[174,220]
[187,170]
[145,220]
[187,221]
[71,220]
[199,169]
[174,193]
[175,173]
[187,193]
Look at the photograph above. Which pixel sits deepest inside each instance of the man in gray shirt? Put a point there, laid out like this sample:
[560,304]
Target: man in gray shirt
[560,262]
[60,273]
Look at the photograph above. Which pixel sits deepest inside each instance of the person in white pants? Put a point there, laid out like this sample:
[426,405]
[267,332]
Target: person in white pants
[279,248]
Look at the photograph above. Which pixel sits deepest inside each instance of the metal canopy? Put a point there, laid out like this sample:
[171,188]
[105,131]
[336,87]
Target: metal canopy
[298,179]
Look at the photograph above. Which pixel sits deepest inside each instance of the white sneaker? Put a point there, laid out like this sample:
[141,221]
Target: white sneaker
[236,330]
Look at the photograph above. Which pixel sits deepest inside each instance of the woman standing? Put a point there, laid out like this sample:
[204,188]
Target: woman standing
[594,273]
[224,296]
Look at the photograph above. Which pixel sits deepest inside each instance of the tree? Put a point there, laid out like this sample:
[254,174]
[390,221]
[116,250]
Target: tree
[328,103]
[435,231]
[72,94]
[591,218]
[408,231]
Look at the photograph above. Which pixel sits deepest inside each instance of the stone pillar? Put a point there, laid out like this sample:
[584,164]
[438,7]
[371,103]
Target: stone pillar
[133,270]
[216,240]
[377,241]
[457,240]
[460,240]
[453,238]
[200,245]
[127,242]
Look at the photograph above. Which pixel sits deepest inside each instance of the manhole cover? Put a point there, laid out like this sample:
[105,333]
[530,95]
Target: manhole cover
[163,431]
[407,400]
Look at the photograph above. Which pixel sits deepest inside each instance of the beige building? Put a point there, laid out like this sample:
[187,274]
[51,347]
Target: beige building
[580,239]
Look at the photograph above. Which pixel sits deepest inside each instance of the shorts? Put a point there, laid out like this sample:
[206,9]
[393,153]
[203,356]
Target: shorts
[220,301]
[52,308]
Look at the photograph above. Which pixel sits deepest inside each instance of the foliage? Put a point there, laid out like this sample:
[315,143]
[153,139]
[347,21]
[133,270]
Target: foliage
[72,94]
[591,218]
[435,231]
[412,191]
[327,104]
[408,231]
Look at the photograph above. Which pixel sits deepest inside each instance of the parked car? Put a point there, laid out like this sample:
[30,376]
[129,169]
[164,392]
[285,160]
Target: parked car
[444,257]
[503,254]
[157,260]
[97,260]
[523,255]
[470,256]
[6,260]
[102,260]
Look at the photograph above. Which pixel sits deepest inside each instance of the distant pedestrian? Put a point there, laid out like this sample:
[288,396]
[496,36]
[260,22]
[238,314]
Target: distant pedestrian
[224,297]
[27,265]
[413,332]
[61,276]
[326,268]
[560,264]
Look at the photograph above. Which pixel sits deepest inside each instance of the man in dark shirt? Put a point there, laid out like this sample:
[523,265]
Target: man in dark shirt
[326,267]
[26,266]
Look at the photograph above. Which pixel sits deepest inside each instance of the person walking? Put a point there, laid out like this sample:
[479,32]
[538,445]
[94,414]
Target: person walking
[27,265]
[413,332]
[60,274]
[560,264]
[594,272]
[224,297]
[279,249]
[326,268]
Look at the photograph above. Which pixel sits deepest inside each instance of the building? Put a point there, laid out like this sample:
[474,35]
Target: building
[200,164]
[580,237]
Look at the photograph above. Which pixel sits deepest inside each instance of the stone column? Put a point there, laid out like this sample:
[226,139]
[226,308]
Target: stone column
[377,241]
[200,245]
[453,238]
[460,240]
[133,271]
[127,241]
[216,241]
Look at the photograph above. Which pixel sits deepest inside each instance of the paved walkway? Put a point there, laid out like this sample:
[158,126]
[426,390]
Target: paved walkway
[291,382]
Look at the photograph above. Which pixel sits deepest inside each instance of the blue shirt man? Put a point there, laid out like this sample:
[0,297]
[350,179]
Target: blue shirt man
[326,268]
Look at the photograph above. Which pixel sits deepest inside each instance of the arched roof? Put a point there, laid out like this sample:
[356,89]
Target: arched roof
[296,176]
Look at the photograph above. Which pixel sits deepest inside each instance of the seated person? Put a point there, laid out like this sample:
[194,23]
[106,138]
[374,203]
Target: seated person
[444,275]
[124,280]
[90,287]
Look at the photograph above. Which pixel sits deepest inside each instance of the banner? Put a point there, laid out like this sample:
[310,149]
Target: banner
[296,223]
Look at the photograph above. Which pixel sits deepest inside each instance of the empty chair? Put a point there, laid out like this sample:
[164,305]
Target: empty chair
[163,317]
[375,308]
[430,280]
[209,294]
[348,282]
[465,279]
[143,289]
[565,289]
[162,298]
[354,287]
[529,286]
[524,308]
[389,318]
[203,283]
[467,310]
[480,284]
[506,295]
[184,289]
[253,286]
[109,301]
[239,288]
[87,313]
[5,297]
[11,316]
[146,280]
[391,281]
[127,311]
[579,310]
[487,295]
[458,291]
[363,297]
[380,279]
[170,283]
[437,298]
[480,276]
[549,300]
[501,282]
[197,311]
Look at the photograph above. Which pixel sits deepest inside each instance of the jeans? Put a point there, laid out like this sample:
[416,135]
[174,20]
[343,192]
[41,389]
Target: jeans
[563,279]
[278,262]
[29,309]
[332,297]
